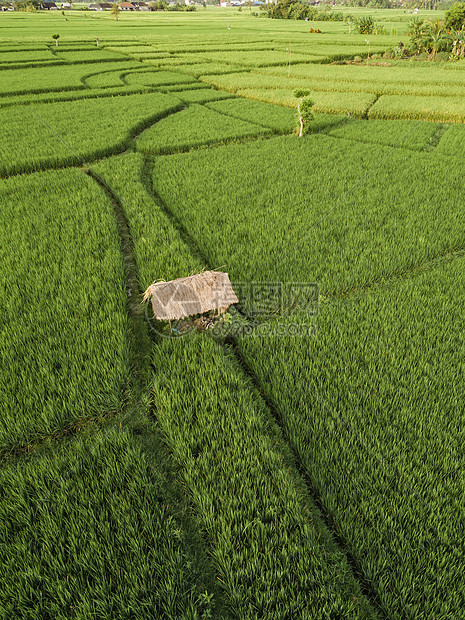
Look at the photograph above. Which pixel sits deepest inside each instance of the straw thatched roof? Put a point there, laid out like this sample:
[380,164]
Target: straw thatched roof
[183,297]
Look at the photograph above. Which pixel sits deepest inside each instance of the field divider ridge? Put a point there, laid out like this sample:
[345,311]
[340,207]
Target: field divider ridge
[367,111]
[351,139]
[216,144]
[67,432]
[275,132]
[436,138]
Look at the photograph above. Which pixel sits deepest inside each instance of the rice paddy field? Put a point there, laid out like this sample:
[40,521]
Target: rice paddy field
[304,458]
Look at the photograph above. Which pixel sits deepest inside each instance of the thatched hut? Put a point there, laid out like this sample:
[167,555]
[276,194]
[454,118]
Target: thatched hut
[184,297]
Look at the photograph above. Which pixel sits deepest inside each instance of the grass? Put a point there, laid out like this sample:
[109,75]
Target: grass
[64,326]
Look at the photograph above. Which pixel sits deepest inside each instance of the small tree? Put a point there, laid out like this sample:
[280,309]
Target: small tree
[304,110]
[115,11]
[56,37]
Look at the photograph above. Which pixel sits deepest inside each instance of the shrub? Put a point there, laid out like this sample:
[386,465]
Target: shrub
[455,16]
[294,9]
[366,25]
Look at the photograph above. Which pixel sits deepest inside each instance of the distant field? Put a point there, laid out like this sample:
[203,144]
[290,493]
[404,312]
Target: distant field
[302,458]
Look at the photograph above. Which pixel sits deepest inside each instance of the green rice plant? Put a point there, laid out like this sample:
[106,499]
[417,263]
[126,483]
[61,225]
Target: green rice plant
[108,78]
[206,68]
[97,55]
[192,45]
[156,78]
[452,142]
[273,556]
[25,56]
[202,95]
[407,77]
[160,252]
[378,87]
[257,81]
[355,104]
[130,49]
[11,66]
[74,47]
[194,126]
[442,109]
[374,407]
[90,529]
[219,46]
[173,88]
[77,44]
[72,95]
[64,341]
[153,55]
[48,135]
[255,58]
[275,117]
[406,134]
[19,81]
[30,47]
[269,88]
[275,96]
[341,225]
[180,60]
